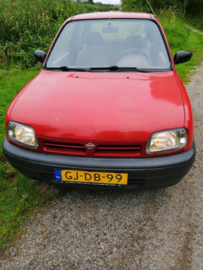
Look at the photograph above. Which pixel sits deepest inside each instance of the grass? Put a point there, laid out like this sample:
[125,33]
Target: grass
[194,44]
[19,196]
[180,37]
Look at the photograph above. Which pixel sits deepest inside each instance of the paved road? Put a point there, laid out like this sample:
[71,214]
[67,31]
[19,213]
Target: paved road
[161,229]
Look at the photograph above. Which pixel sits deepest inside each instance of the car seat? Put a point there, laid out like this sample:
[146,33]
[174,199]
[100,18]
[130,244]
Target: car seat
[92,54]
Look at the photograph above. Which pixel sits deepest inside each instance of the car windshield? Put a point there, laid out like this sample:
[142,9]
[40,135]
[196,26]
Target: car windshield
[106,43]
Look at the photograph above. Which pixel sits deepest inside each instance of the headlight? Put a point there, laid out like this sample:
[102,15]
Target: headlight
[22,134]
[167,140]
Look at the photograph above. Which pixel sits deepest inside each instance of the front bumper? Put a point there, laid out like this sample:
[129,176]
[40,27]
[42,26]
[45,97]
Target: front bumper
[144,173]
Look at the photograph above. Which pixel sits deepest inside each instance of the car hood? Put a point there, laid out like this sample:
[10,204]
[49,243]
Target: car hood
[100,106]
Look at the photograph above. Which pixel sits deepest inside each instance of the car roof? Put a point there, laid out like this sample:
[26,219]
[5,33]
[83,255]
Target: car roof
[113,15]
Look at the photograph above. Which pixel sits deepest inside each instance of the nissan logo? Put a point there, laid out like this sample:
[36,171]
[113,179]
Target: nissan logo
[90,146]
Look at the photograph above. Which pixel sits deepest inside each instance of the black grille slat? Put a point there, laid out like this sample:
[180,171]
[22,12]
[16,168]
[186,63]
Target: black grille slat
[118,147]
[63,145]
[118,150]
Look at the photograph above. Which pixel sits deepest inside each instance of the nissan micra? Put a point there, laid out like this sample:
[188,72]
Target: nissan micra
[107,110]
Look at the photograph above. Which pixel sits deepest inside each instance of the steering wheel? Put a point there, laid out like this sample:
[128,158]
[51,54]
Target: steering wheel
[135,51]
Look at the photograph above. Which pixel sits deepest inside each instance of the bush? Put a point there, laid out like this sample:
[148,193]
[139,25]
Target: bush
[28,25]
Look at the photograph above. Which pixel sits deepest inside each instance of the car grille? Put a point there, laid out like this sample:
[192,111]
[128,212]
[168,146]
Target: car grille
[100,150]
[64,148]
[117,150]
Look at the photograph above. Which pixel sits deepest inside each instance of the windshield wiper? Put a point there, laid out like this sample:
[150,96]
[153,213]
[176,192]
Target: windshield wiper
[110,68]
[116,68]
[66,68]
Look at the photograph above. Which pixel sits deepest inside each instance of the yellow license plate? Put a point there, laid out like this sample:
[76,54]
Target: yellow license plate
[94,177]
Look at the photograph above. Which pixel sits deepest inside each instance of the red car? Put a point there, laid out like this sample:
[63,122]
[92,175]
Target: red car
[107,110]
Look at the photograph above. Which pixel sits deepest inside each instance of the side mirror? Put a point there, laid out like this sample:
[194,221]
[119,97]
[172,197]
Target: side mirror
[182,57]
[40,55]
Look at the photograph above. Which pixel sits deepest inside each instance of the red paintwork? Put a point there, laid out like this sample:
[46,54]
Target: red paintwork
[104,106]
[100,106]
[188,123]
[112,15]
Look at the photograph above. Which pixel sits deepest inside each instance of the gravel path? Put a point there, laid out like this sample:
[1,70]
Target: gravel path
[194,30]
[161,229]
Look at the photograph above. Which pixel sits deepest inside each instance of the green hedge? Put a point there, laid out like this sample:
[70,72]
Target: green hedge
[28,25]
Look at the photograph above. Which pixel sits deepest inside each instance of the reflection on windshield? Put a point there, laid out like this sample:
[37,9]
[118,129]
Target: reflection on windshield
[106,43]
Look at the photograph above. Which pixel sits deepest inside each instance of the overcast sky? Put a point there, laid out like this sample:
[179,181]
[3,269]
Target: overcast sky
[113,2]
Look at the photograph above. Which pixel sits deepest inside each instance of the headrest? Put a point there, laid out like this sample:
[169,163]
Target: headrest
[135,41]
[93,39]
